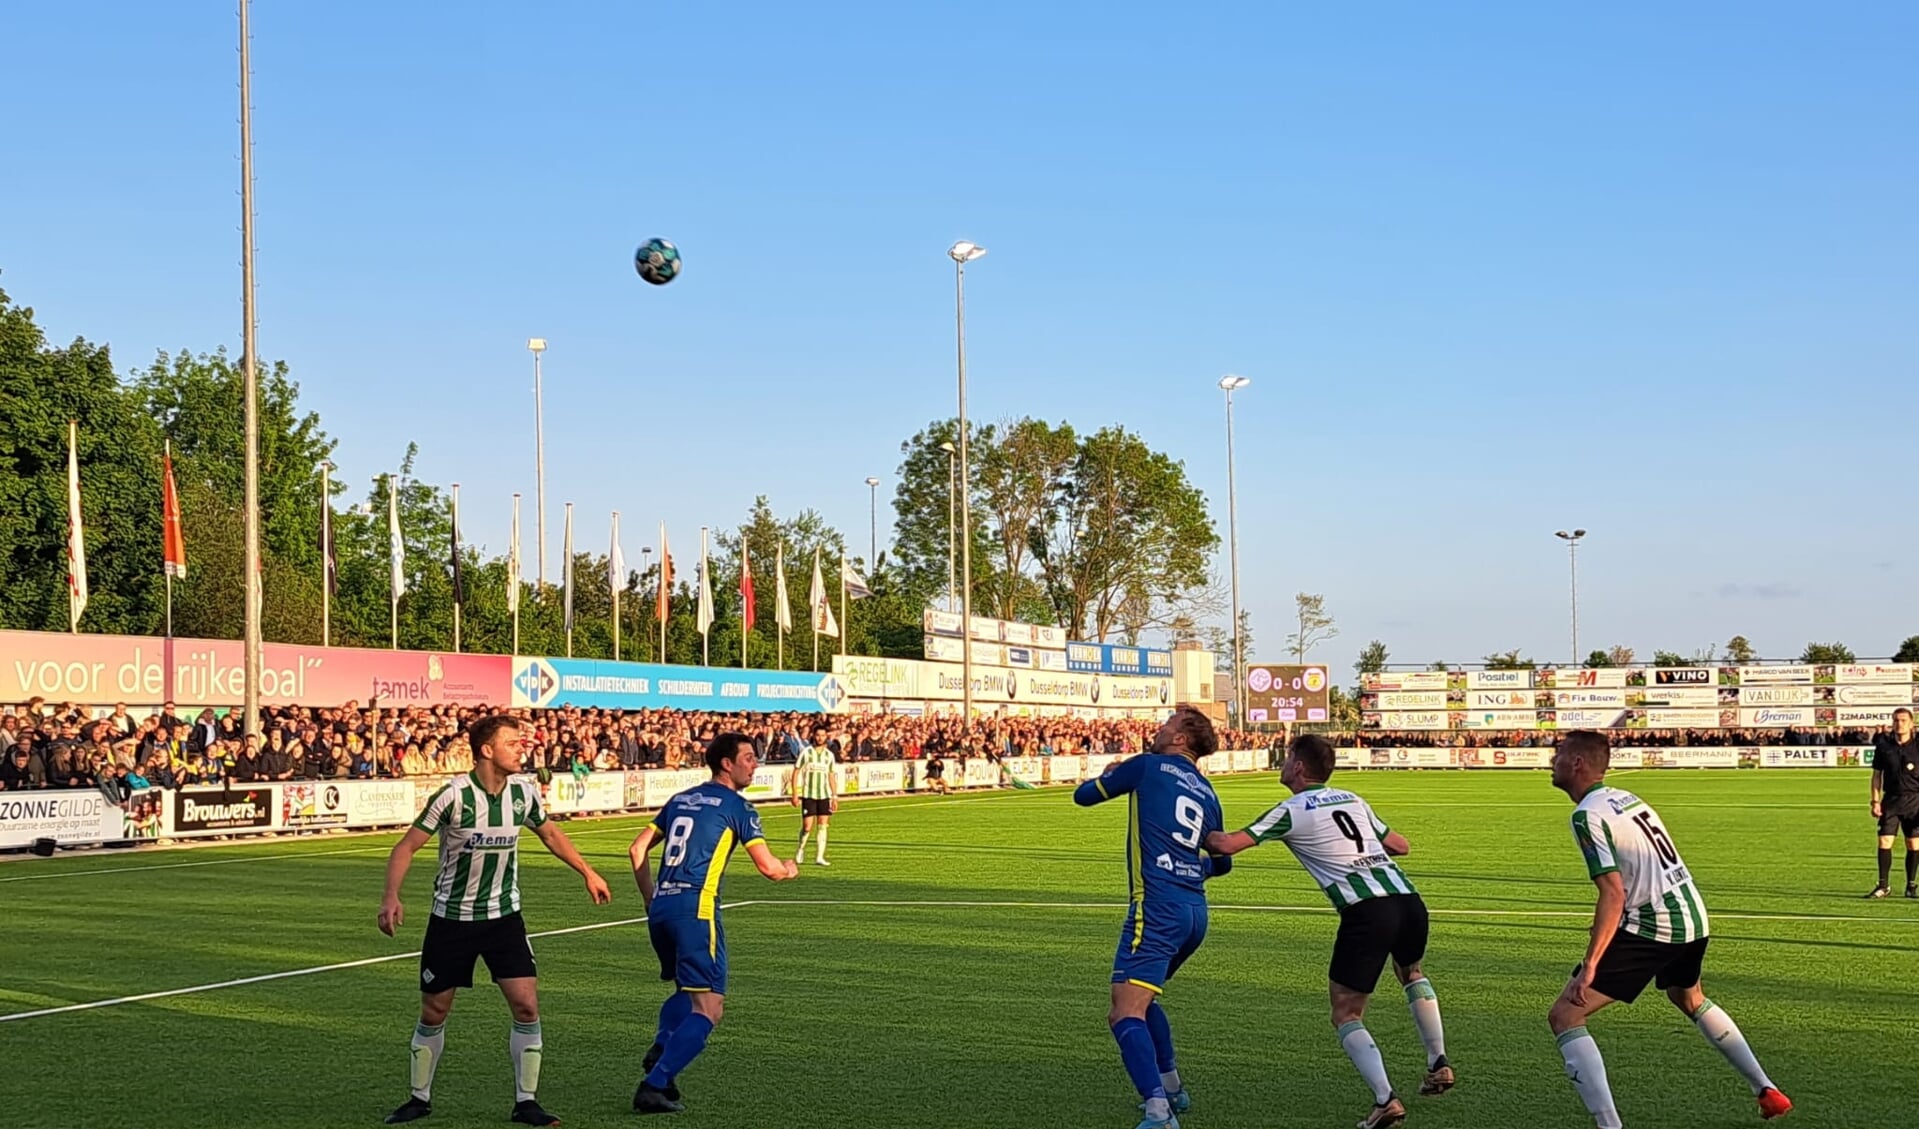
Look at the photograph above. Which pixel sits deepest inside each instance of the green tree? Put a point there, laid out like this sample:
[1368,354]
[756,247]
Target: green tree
[1509,660]
[1827,653]
[1316,625]
[1908,651]
[1372,658]
[1739,650]
[1669,658]
[1599,659]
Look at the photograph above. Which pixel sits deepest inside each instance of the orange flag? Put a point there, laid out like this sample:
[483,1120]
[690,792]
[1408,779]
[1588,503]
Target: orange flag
[174,543]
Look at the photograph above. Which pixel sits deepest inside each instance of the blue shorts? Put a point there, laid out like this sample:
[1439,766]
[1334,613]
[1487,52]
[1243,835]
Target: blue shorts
[692,952]
[1155,940]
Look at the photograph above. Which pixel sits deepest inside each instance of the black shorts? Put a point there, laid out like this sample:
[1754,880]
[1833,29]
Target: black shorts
[451,947]
[1372,929]
[1631,962]
[811,808]
[1900,821]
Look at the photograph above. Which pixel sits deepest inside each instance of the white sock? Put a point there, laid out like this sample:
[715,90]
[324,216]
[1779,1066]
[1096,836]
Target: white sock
[428,1042]
[1170,1080]
[1425,1009]
[525,1047]
[1365,1055]
[1157,1109]
[822,844]
[1723,1033]
[1588,1073]
[801,853]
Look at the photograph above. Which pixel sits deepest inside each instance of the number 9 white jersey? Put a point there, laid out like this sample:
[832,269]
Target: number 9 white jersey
[1336,837]
[1618,832]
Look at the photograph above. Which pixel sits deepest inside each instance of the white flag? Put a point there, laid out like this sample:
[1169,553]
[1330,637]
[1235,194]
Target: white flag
[615,562]
[396,547]
[513,561]
[855,586]
[566,571]
[76,537]
[782,610]
[706,588]
[823,621]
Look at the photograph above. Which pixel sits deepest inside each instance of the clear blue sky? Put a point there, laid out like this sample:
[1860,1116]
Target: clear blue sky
[1653,271]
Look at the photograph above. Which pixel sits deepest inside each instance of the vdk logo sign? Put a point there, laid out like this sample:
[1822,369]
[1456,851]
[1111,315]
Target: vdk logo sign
[831,694]
[536,682]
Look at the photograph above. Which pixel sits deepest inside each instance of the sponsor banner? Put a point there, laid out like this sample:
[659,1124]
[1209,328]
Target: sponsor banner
[1413,719]
[379,803]
[1844,716]
[847,776]
[596,791]
[1590,719]
[1675,697]
[940,623]
[1050,660]
[770,782]
[599,684]
[1019,656]
[1029,769]
[1247,760]
[1096,765]
[1775,695]
[1505,758]
[1899,694]
[1502,719]
[75,815]
[144,814]
[1116,658]
[948,650]
[1351,758]
[1683,676]
[1403,680]
[1798,758]
[635,787]
[1761,717]
[662,784]
[1054,639]
[1150,694]
[887,776]
[216,811]
[206,672]
[1872,672]
[1159,663]
[1628,758]
[1017,633]
[306,804]
[1582,678]
[1499,699]
[986,629]
[1682,719]
[1587,699]
[1499,679]
[878,678]
[1416,700]
[1690,758]
[1774,675]
[1063,770]
[980,773]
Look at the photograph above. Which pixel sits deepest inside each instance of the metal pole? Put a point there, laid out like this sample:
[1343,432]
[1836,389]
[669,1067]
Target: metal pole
[392,501]
[251,377]
[456,554]
[1572,556]
[1232,525]
[326,556]
[966,508]
[952,522]
[617,582]
[539,468]
[566,577]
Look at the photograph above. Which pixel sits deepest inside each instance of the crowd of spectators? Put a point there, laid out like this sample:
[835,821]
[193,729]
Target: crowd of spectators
[43,745]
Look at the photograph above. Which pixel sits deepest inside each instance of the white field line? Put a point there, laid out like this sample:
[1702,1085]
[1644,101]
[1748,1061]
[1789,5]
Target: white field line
[318,968]
[880,903]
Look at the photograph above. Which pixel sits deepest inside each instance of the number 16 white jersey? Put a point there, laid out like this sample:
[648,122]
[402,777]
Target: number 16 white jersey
[1619,833]
[1336,837]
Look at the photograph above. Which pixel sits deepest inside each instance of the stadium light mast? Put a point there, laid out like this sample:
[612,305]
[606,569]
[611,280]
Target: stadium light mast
[250,375]
[962,253]
[952,490]
[537,345]
[1572,559]
[1231,384]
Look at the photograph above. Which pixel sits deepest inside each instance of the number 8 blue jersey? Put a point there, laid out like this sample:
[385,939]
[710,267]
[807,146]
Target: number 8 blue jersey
[1171,810]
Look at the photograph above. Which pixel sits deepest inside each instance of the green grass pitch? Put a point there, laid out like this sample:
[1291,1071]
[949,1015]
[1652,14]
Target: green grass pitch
[869,995]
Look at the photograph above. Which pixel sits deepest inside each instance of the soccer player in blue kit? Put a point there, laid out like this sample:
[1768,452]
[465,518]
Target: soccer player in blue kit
[700,828]
[1170,811]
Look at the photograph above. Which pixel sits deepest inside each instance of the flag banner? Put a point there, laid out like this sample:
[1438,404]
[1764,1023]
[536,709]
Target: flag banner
[513,561]
[396,546]
[329,558]
[746,587]
[566,571]
[822,603]
[459,578]
[706,588]
[76,534]
[782,608]
[663,603]
[173,541]
[855,584]
[615,563]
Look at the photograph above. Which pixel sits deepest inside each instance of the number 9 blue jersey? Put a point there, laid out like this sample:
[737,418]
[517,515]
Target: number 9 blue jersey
[1171,810]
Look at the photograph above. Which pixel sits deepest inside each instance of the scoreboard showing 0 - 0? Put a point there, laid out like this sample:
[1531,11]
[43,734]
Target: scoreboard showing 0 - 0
[1287,693]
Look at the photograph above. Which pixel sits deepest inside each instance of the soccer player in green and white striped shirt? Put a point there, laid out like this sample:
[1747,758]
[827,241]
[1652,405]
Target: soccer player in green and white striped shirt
[476,908]
[1349,852]
[1650,926]
[816,792]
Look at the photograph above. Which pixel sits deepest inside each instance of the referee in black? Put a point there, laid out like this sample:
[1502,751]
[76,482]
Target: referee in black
[1895,799]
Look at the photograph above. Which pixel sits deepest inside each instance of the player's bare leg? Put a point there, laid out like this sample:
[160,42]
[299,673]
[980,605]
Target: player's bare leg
[1349,1020]
[1725,1036]
[1424,1005]
[429,1040]
[1584,1065]
[524,1046]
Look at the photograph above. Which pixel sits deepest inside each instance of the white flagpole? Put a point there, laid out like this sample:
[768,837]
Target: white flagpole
[456,554]
[76,534]
[566,578]
[513,575]
[846,624]
[326,557]
[396,554]
[781,615]
[706,602]
[616,580]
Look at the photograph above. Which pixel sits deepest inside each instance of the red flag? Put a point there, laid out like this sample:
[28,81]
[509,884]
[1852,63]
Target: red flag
[173,542]
[746,586]
[663,606]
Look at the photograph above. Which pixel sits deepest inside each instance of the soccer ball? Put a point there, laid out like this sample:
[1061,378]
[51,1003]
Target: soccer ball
[658,261]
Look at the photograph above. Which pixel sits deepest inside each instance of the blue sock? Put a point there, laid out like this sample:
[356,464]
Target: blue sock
[1136,1051]
[688,1040]
[677,1007]
[1162,1031]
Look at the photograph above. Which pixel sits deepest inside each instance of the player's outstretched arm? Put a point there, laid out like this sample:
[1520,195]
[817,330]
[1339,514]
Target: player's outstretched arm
[1226,844]
[778,870]
[392,913]
[564,850]
[643,865]
[1119,778]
